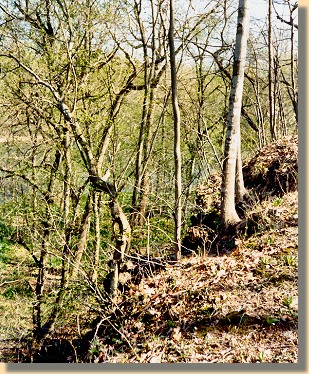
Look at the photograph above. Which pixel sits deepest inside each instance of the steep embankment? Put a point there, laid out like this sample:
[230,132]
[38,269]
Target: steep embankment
[233,306]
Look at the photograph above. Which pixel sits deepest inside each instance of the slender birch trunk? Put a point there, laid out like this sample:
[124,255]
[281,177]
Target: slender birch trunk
[272,119]
[232,141]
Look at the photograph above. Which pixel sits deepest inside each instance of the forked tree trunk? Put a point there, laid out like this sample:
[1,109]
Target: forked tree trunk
[229,215]
[122,228]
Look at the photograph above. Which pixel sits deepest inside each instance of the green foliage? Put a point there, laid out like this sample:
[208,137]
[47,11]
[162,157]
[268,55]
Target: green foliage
[269,240]
[261,356]
[287,302]
[269,320]
[277,201]
[53,262]
[95,348]
[5,230]
[289,260]
[19,290]
[208,311]
[158,233]
[171,323]
[264,261]
[4,249]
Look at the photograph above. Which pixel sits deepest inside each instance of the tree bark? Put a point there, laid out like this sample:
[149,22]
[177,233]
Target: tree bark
[96,211]
[83,236]
[240,190]
[122,228]
[272,118]
[177,151]
[229,215]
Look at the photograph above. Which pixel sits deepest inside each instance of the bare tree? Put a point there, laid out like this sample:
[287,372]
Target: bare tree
[229,215]
[177,151]
[271,93]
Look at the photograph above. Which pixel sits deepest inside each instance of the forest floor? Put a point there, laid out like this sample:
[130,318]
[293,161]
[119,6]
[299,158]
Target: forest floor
[239,305]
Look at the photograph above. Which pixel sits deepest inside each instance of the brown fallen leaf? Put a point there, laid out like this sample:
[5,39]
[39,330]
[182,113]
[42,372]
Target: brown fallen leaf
[176,334]
[148,290]
[155,359]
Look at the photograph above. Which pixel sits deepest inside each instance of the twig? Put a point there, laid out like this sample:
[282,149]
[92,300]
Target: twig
[6,282]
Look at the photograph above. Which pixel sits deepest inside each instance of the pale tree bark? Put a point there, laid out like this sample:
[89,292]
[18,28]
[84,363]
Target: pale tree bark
[229,215]
[177,151]
[272,116]
[96,211]
[240,190]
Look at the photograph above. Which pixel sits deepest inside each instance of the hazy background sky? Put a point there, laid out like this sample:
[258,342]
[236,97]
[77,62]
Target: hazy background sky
[259,9]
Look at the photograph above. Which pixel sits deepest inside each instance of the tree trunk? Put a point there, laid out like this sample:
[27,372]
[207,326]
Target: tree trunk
[39,331]
[141,185]
[122,231]
[83,235]
[122,228]
[229,215]
[272,119]
[240,190]
[145,188]
[96,211]
[177,152]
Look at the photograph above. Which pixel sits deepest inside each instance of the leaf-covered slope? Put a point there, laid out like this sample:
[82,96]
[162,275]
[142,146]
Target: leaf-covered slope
[240,307]
[231,306]
[236,307]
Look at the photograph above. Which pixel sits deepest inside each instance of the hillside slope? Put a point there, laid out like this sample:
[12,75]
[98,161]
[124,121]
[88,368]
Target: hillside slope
[240,307]
[236,305]
[237,302]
